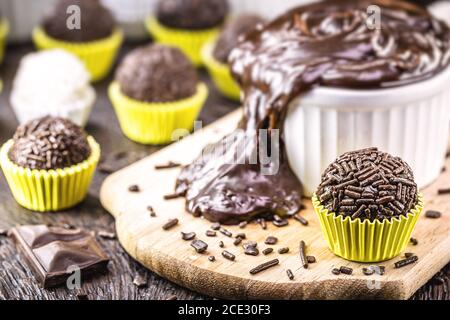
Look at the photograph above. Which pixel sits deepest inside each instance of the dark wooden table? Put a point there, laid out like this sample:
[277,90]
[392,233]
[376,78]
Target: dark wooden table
[16,281]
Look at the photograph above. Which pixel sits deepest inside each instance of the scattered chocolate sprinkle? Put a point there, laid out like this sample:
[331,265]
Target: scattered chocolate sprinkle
[280,223]
[199,246]
[283,250]
[118,160]
[140,281]
[264,266]
[237,241]
[228,255]
[290,274]
[433,214]
[444,191]
[225,232]
[106,168]
[243,224]
[221,244]
[120,154]
[187,236]
[311,259]
[409,254]
[368,271]
[106,235]
[134,188]
[250,244]
[336,271]
[210,233]
[271,240]
[303,257]
[405,262]
[152,211]
[3,232]
[300,219]
[241,235]
[170,224]
[215,226]
[172,297]
[378,187]
[172,196]
[379,270]
[262,223]
[212,258]
[251,250]
[168,165]
[267,251]
[414,241]
[346,270]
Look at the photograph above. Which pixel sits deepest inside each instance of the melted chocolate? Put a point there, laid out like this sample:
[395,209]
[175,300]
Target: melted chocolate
[325,44]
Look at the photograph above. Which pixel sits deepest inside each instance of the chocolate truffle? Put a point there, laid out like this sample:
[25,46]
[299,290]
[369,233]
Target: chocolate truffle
[49,143]
[157,73]
[192,14]
[233,30]
[96,21]
[368,184]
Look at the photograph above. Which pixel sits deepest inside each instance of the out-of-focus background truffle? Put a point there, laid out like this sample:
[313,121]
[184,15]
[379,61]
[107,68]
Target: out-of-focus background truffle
[24,15]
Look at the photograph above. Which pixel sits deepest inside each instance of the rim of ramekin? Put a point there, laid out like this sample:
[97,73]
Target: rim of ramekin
[333,97]
[418,208]
[93,158]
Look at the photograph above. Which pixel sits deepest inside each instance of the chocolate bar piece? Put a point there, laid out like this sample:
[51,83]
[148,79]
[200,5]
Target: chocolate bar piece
[53,252]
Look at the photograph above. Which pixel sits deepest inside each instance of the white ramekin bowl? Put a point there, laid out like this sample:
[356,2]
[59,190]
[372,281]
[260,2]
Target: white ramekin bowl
[409,121]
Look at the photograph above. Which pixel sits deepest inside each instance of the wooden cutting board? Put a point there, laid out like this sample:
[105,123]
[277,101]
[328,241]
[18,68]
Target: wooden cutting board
[168,255]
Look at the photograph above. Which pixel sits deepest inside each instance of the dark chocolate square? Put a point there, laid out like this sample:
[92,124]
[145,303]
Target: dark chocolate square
[52,252]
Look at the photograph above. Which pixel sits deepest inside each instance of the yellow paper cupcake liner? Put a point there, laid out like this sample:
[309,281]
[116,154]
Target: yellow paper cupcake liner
[155,123]
[366,241]
[4,30]
[190,42]
[49,190]
[220,73]
[98,56]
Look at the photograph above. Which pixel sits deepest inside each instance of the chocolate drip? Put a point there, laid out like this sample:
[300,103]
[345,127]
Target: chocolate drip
[325,44]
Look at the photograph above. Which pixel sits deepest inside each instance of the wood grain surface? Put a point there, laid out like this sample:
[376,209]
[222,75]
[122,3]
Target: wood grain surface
[164,252]
[16,280]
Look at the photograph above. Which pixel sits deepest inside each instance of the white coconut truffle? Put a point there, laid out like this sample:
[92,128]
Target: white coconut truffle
[52,82]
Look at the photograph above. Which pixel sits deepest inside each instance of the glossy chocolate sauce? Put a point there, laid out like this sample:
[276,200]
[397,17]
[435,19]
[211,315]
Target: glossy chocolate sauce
[331,43]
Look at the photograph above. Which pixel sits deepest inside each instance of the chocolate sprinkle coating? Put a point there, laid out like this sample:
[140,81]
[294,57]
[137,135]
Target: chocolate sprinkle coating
[192,14]
[96,21]
[156,73]
[368,184]
[49,143]
[232,32]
